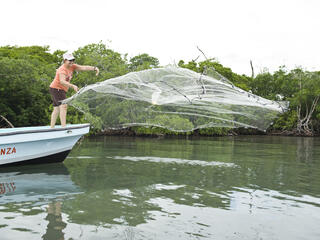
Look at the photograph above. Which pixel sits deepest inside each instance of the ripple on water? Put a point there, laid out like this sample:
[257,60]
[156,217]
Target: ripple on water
[176,161]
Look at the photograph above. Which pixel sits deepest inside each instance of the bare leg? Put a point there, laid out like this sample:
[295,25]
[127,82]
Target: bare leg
[63,114]
[54,116]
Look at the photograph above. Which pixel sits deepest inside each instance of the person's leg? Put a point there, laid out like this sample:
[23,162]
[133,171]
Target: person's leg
[54,116]
[63,114]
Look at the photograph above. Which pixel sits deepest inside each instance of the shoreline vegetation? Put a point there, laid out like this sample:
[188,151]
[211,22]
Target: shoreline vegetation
[198,133]
[26,73]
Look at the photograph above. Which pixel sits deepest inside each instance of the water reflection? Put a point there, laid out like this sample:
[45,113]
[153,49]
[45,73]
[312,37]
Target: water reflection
[35,184]
[305,149]
[127,188]
[55,223]
[34,192]
[141,178]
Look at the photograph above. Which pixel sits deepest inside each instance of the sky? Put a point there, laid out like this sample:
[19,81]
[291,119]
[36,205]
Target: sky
[271,33]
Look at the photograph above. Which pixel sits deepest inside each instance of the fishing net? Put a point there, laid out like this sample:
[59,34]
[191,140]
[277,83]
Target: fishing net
[5,123]
[174,98]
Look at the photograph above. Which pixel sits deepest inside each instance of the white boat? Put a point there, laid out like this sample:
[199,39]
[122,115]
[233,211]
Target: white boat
[38,144]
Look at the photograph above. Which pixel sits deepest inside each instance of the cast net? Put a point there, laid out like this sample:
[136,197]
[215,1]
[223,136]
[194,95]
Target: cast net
[174,98]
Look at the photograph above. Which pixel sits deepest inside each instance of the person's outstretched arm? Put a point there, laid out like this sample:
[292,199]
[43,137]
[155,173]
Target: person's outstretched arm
[87,68]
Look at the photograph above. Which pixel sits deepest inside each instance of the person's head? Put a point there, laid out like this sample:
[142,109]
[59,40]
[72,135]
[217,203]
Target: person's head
[68,59]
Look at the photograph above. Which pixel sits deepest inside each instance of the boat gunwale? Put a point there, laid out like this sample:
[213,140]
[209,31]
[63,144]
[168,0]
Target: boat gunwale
[78,126]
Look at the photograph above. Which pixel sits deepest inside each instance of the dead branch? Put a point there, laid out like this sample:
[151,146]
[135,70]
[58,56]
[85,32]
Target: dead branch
[194,60]
[252,70]
[202,53]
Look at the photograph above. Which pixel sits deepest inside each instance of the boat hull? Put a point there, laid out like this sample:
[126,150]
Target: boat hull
[38,144]
[53,158]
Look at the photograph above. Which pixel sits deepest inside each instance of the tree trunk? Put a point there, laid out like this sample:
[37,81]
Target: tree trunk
[304,126]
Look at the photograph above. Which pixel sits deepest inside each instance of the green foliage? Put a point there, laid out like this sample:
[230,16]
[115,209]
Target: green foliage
[142,62]
[24,97]
[192,65]
[172,122]
[298,87]
[38,53]
[153,131]
[286,121]
[272,85]
[214,131]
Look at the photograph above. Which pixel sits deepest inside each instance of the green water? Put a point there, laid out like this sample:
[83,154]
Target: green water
[147,188]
